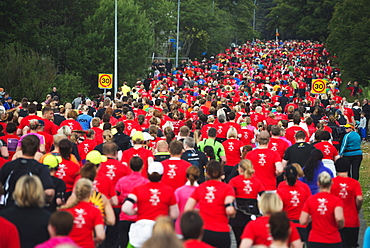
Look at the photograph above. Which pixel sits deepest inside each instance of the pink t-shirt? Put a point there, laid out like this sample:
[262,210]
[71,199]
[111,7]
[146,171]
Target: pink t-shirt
[182,195]
[53,242]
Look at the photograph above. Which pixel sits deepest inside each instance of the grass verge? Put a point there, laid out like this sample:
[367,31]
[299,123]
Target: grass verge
[365,180]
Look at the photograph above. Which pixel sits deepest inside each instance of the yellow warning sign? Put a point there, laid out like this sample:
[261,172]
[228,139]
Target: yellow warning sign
[105,81]
[318,86]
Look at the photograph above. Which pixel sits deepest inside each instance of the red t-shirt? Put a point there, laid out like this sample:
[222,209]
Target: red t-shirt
[74,125]
[9,234]
[205,129]
[255,118]
[174,173]
[131,125]
[278,145]
[246,136]
[324,226]
[211,198]
[246,188]
[141,152]
[85,147]
[258,231]
[293,198]
[263,161]
[98,135]
[232,150]
[291,131]
[49,140]
[349,113]
[68,172]
[114,170]
[50,127]
[348,189]
[86,217]
[26,120]
[327,149]
[11,141]
[194,243]
[153,200]
[104,185]
[221,129]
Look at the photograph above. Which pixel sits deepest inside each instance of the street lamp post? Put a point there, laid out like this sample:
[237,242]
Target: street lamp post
[115,48]
[178,34]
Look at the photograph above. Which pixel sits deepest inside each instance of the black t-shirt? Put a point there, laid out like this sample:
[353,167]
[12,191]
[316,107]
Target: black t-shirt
[298,153]
[123,141]
[31,222]
[91,111]
[60,190]
[13,170]
[198,159]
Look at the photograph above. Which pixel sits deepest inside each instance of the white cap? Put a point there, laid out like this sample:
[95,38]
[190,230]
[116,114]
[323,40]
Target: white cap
[155,167]
[147,136]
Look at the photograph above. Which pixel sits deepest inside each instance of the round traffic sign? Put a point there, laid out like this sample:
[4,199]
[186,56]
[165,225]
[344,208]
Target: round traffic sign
[318,86]
[105,81]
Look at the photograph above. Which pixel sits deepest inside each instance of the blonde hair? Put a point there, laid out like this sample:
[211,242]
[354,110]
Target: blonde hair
[29,192]
[299,169]
[95,122]
[324,180]
[66,130]
[247,167]
[232,133]
[107,135]
[83,190]
[270,203]
[163,225]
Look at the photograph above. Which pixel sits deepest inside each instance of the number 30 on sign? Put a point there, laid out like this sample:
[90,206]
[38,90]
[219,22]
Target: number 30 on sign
[105,81]
[318,86]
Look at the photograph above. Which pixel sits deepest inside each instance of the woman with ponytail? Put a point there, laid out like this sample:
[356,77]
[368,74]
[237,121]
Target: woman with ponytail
[294,194]
[183,193]
[247,187]
[87,219]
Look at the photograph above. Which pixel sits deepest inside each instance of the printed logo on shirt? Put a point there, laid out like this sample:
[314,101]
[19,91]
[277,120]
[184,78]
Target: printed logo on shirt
[79,220]
[86,148]
[294,200]
[247,186]
[262,160]
[231,146]
[343,190]
[210,195]
[172,171]
[154,196]
[326,150]
[274,146]
[110,172]
[61,173]
[322,208]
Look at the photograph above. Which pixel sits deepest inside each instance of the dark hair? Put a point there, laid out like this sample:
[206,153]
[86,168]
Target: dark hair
[65,148]
[296,118]
[136,163]
[191,225]
[192,174]
[154,177]
[214,169]
[88,171]
[325,135]
[318,134]
[212,132]
[62,221]
[176,147]
[11,127]
[208,150]
[120,126]
[169,137]
[275,130]
[31,108]
[279,226]
[110,148]
[300,135]
[312,163]
[291,175]
[30,144]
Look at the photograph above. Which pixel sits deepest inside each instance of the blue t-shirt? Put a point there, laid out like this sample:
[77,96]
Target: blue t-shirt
[85,121]
[313,184]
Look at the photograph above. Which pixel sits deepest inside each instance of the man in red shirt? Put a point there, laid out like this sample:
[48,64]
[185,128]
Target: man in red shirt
[26,120]
[276,143]
[192,230]
[291,131]
[349,190]
[139,151]
[175,168]
[266,163]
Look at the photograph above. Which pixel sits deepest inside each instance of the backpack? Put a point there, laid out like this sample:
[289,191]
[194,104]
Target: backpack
[192,157]
[209,150]
[18,168]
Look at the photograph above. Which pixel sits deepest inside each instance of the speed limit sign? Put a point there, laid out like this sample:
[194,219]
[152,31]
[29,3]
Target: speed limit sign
[318,86]
[105,81]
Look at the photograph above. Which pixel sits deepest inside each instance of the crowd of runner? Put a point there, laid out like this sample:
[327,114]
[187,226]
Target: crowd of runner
[235,142]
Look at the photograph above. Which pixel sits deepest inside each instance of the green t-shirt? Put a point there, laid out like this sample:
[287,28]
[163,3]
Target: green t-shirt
[217,147]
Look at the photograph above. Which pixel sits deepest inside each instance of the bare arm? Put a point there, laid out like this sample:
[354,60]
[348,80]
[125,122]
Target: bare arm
[190,204]
[128,207]
[284,163]
[304,219]
[339,217]
[110,218]
[99,233]
[359,200]
[174,212]
[279,168]
[246,243]
[230,210]
[4,152]
[113,201]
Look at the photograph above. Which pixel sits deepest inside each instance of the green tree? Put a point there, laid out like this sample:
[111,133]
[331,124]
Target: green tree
[304,19]
[349,38]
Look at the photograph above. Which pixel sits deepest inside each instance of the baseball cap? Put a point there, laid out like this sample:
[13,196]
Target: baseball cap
[52,161]
[147,136]
[138,135]
[95,157]
[155,167]
[41,123]
[348,125]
